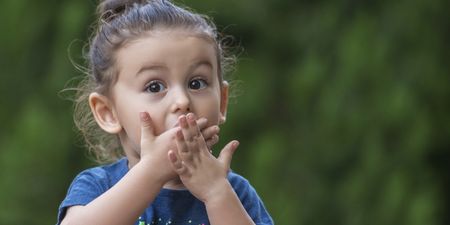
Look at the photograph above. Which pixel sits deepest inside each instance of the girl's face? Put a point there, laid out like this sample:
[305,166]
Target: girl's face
[167,74]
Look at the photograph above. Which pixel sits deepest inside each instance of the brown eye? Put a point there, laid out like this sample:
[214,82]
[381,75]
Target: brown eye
[197,84]
[155,87]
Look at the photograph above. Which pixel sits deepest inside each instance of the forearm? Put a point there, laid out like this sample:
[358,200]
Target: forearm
[123,203]
[226,208]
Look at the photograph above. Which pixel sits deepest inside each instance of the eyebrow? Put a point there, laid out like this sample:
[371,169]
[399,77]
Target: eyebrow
[156,67]
[159,67]
[201,63]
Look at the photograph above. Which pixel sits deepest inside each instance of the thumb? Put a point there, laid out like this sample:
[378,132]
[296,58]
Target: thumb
[227,153]
[147,131]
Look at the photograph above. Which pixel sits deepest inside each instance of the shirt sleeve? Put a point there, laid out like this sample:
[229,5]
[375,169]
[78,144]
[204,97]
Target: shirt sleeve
[250,200]
[87,186]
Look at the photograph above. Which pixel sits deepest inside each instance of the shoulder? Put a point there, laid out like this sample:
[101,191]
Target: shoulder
[118,168]
[250,199]
[91,183]
[237,181]
[101,177]
[241,186]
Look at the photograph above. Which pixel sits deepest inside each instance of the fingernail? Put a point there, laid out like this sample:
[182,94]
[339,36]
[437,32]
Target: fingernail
[143,116]
[179,133]
[190,116]
[172,156]
[235,144]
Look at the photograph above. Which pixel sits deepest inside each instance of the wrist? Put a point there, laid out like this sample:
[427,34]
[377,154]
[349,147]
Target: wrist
[218,192]
[152,170]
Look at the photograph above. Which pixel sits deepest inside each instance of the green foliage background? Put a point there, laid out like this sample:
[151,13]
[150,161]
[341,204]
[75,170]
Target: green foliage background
[343,110]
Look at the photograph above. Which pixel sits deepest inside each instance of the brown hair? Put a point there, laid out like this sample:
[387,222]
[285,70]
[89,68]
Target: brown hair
[120,21]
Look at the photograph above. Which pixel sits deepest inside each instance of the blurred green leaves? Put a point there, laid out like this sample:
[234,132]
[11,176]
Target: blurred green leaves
[342,113]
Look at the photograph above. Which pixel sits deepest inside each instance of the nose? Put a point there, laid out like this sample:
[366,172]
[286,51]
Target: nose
[180,101]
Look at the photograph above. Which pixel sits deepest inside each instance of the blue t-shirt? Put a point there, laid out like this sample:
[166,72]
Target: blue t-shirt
[174,207]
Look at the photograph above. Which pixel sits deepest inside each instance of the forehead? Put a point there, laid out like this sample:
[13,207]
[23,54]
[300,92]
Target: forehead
[167,47]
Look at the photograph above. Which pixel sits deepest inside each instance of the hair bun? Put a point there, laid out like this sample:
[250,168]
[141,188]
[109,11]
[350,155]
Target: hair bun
[109,9]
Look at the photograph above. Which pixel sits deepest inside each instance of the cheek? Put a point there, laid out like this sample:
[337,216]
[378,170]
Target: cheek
[128,115]
[158,118]
[131,126]
[211,111]
[131,122]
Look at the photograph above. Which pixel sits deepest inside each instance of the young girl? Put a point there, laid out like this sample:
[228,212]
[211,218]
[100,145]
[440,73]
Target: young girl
[156,88]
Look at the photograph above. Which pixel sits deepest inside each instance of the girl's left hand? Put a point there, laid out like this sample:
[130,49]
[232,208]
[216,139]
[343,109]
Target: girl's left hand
[204,175]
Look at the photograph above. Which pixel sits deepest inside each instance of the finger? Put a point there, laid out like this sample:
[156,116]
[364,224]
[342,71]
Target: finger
[185,150]
[175,162]
[182,121]
[227,153]
[190,131]
[202,123]
[193,128]
[210,132]
[191,119]
[198,140]
[185,135]
[181,143]
[147,131]
[212,141]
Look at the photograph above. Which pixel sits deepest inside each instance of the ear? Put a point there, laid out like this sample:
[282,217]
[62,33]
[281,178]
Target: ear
[223,102]
[104,113]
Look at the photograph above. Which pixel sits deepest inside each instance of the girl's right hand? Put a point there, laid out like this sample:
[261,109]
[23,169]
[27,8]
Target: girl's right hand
[154,148]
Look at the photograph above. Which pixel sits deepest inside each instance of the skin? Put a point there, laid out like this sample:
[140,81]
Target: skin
[167,100]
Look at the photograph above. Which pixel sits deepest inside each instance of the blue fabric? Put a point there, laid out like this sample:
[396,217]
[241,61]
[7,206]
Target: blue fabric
[172,207]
